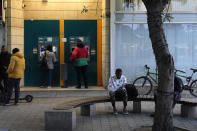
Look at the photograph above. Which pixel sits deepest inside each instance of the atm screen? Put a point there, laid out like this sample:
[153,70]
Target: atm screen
[43,48]
[54,49]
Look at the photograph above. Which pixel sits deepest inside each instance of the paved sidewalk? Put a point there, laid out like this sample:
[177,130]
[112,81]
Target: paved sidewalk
[30,116]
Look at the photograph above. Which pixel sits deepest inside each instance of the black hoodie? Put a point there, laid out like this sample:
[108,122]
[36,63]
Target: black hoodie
[4,63]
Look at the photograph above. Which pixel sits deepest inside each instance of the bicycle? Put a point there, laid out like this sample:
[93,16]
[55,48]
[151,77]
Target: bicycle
[144,83]
[191,84]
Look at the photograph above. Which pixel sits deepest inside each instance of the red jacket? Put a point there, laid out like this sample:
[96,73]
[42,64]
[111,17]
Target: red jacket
[78,56]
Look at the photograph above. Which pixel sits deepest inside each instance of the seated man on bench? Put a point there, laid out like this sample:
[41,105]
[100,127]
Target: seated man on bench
[117,86]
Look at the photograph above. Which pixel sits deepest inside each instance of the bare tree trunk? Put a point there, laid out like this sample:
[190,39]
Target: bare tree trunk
[163,120]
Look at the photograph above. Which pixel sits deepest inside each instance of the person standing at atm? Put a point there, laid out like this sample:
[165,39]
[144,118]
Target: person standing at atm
[79,59]
[51,59]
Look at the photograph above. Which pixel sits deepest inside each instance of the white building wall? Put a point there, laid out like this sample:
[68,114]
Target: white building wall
[131,47]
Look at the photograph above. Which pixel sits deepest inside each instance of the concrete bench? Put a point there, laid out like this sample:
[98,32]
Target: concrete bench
[188,108]
[63,116]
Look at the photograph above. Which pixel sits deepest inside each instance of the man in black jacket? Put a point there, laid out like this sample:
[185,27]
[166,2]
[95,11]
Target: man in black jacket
[4,63]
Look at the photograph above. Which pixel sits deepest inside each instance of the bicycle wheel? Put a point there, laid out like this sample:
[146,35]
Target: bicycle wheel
[193,88]
[143,85]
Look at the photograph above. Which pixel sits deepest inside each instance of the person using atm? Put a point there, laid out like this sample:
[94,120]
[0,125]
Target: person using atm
[50,59]
[79,59]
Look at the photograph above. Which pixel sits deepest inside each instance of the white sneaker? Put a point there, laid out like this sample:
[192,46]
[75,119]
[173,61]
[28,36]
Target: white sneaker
[49,87]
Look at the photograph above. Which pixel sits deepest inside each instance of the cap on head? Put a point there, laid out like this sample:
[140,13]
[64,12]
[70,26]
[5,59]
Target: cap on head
[15,50]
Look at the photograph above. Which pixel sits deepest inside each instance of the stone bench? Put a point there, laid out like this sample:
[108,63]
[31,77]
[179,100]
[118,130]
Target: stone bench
[63,116]
[188,108]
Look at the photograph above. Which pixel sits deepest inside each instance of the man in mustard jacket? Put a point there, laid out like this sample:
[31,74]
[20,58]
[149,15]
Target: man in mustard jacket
[15,73]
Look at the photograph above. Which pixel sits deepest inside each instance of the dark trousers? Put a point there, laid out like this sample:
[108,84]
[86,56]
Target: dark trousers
[122,92]
[81,70]
[50,77]
[1,84]
[3,88]
[44,78]
[13,83]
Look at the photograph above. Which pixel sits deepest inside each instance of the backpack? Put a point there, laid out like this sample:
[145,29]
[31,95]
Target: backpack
[131,91]
[44,65]
[178,88]
[178,84]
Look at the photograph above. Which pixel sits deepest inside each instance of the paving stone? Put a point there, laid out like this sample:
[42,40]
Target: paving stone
[30,116]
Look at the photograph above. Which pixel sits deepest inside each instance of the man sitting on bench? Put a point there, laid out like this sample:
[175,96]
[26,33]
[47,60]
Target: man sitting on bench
[117,86]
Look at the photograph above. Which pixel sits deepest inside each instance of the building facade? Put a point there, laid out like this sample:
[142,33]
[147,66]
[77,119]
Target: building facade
[121,37]
[31,24]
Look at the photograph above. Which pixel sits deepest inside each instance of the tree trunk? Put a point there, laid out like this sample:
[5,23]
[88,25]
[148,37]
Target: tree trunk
[163,120]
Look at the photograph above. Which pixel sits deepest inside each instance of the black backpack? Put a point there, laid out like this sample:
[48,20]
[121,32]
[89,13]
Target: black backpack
[131,91]
[178,88]
[44,65]
[178,84]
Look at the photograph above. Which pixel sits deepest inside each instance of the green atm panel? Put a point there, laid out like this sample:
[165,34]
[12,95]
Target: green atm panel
[86,30]
[39,34]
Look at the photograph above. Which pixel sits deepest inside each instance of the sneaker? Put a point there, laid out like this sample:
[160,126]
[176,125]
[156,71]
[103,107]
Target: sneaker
[125,112]
[49,87]
[7,104]
[115,113]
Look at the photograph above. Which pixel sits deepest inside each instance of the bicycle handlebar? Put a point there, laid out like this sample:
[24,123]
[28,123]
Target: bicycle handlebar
[179,71]
[147,67]
[194,70]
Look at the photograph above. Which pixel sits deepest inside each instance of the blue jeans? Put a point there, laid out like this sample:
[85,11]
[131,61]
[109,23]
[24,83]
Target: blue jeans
[13,83]
[50,77]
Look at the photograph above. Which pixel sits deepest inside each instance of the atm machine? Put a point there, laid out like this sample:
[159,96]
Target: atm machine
[43,42]
[43,47]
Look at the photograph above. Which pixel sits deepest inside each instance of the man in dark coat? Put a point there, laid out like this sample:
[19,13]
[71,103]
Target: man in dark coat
[4,63]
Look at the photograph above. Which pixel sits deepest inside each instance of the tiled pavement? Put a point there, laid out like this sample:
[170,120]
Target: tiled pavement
[30,116]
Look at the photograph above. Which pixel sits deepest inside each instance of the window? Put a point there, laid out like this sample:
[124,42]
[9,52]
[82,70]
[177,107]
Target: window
[130,43]
[138,5]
